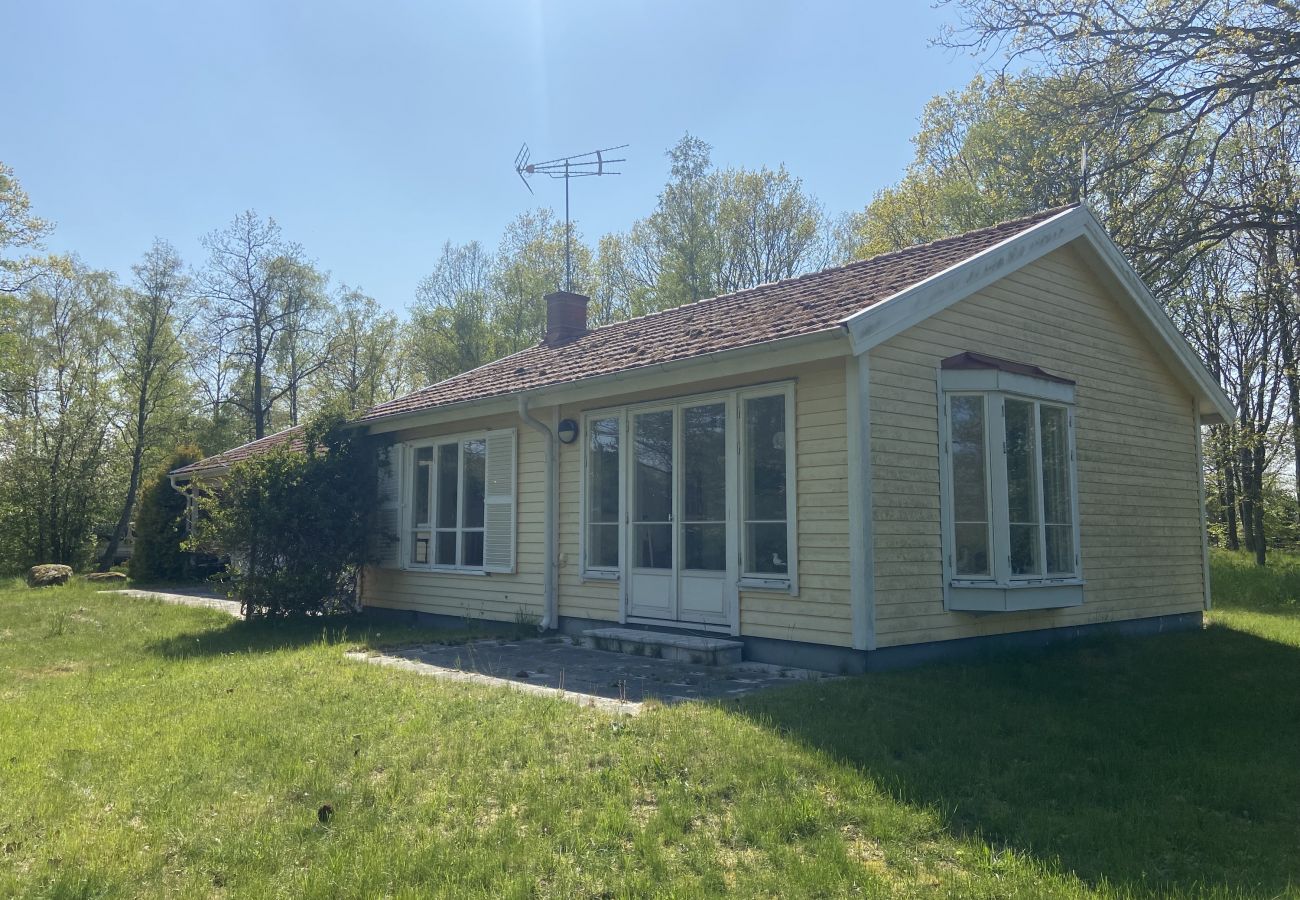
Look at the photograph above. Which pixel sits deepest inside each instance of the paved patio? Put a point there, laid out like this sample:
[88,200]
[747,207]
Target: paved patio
[549,666]
[557,666]
[186,597]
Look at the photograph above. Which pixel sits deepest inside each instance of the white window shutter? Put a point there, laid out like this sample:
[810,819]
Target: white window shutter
[499,502]
[388,522]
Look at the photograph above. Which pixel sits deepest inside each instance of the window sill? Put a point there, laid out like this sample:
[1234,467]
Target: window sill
[600,576]
[751,583]
[444,570]
[1014,597]
[1019,585]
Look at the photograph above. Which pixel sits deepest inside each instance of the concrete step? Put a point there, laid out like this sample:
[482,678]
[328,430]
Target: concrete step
[701,651]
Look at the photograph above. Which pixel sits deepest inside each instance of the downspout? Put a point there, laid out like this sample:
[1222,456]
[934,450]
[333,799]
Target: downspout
[550,616]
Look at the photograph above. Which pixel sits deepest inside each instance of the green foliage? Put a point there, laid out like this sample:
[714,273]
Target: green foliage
[56,408]
[1236,582]
[160,525]
[296,523]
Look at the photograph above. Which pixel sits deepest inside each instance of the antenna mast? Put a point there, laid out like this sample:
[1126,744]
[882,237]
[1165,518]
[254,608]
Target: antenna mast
[580,165]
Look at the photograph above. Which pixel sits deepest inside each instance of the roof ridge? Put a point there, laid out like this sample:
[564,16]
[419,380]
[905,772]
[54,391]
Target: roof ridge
[912,248]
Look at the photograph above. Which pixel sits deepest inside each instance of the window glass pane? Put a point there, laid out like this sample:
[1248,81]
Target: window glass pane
[766,548]
[654,546]
[764,468]
[972,551]
[602,471]
[472,548]
[653,475]
[420,548]
[1022,487]
[704,463]
[704,546]
[475,485]
[420,490]
[969,485]
[445,545]
[448,456]
[1054,427]
[602,546]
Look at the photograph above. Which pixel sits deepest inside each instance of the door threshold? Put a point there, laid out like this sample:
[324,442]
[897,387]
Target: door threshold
[679,626]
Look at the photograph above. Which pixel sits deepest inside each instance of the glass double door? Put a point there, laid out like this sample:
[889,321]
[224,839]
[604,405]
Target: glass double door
[680,540]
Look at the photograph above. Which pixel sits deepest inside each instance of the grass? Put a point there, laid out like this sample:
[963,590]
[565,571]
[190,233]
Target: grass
[152,750]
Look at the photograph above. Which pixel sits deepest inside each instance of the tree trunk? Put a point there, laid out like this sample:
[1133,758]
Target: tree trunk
[1231,537]
[1257,485]
[1247,499]
[128,505]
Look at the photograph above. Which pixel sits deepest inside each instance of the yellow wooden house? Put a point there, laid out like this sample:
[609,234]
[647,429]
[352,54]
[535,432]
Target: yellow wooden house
[993,438]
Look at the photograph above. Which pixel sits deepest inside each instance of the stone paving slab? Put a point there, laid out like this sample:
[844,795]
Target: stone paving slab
[556,666]
[186,597]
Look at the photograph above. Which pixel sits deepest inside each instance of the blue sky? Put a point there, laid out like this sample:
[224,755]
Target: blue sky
[375,131]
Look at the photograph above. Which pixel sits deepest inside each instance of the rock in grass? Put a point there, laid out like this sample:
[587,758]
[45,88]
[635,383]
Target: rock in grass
[46,575]
[106,577]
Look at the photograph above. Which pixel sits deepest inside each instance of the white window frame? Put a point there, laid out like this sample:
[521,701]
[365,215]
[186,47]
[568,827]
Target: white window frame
[766,580]
[409,450]
[602,573]
[788,583]
[1000,590]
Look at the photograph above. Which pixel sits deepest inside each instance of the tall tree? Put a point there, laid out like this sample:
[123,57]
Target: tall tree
[244,286]
[449,330]
[21,232]
[1201,68]
[56,416]
[530,264]
[150,360]
[364,358]
[713,231]
[303,346]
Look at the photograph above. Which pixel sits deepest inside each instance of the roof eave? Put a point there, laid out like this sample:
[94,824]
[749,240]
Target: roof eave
[821,344]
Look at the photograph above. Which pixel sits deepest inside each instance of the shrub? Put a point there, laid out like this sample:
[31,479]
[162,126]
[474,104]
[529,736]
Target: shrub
[296,523]
[160,525]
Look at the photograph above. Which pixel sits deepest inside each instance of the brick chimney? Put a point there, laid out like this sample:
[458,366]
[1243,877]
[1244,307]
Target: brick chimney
[566,317]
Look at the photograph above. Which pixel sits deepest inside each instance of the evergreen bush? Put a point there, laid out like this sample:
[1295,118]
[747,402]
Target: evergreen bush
[157,554]
[297,523]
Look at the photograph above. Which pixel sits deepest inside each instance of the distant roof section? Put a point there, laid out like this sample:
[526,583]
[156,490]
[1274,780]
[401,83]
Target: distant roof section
[290,436]
[782,309]
[972,360]
[808,304]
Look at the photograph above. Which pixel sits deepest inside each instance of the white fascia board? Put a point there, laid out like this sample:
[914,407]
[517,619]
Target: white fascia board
[825,344]
[895,314]
[881,321]
[1173,346]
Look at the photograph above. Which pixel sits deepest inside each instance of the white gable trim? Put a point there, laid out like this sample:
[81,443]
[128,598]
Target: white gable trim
[895,314]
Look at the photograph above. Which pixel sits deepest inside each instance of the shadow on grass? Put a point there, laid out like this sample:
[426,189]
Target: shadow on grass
[267,636]
[1155,765]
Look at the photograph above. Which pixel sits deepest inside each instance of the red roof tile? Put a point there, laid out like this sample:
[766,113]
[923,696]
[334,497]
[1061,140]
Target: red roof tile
[290,436]
[782,309]
[796,306]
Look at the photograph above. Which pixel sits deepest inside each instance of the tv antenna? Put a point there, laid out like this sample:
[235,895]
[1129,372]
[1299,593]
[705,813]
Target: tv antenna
[580,165]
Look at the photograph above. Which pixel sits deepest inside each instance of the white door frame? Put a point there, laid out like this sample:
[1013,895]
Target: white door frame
[729,619]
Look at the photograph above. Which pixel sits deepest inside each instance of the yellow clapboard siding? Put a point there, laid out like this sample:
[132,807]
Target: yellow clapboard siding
[497,596]
[1138,488]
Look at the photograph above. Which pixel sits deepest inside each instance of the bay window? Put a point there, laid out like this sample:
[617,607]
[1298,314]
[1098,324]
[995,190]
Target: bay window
[1008,481]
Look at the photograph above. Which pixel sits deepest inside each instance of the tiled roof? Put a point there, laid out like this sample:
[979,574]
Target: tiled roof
[796,306]
[782,309]
[291,436]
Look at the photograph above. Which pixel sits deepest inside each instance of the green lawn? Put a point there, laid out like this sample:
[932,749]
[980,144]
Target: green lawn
[164,751]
